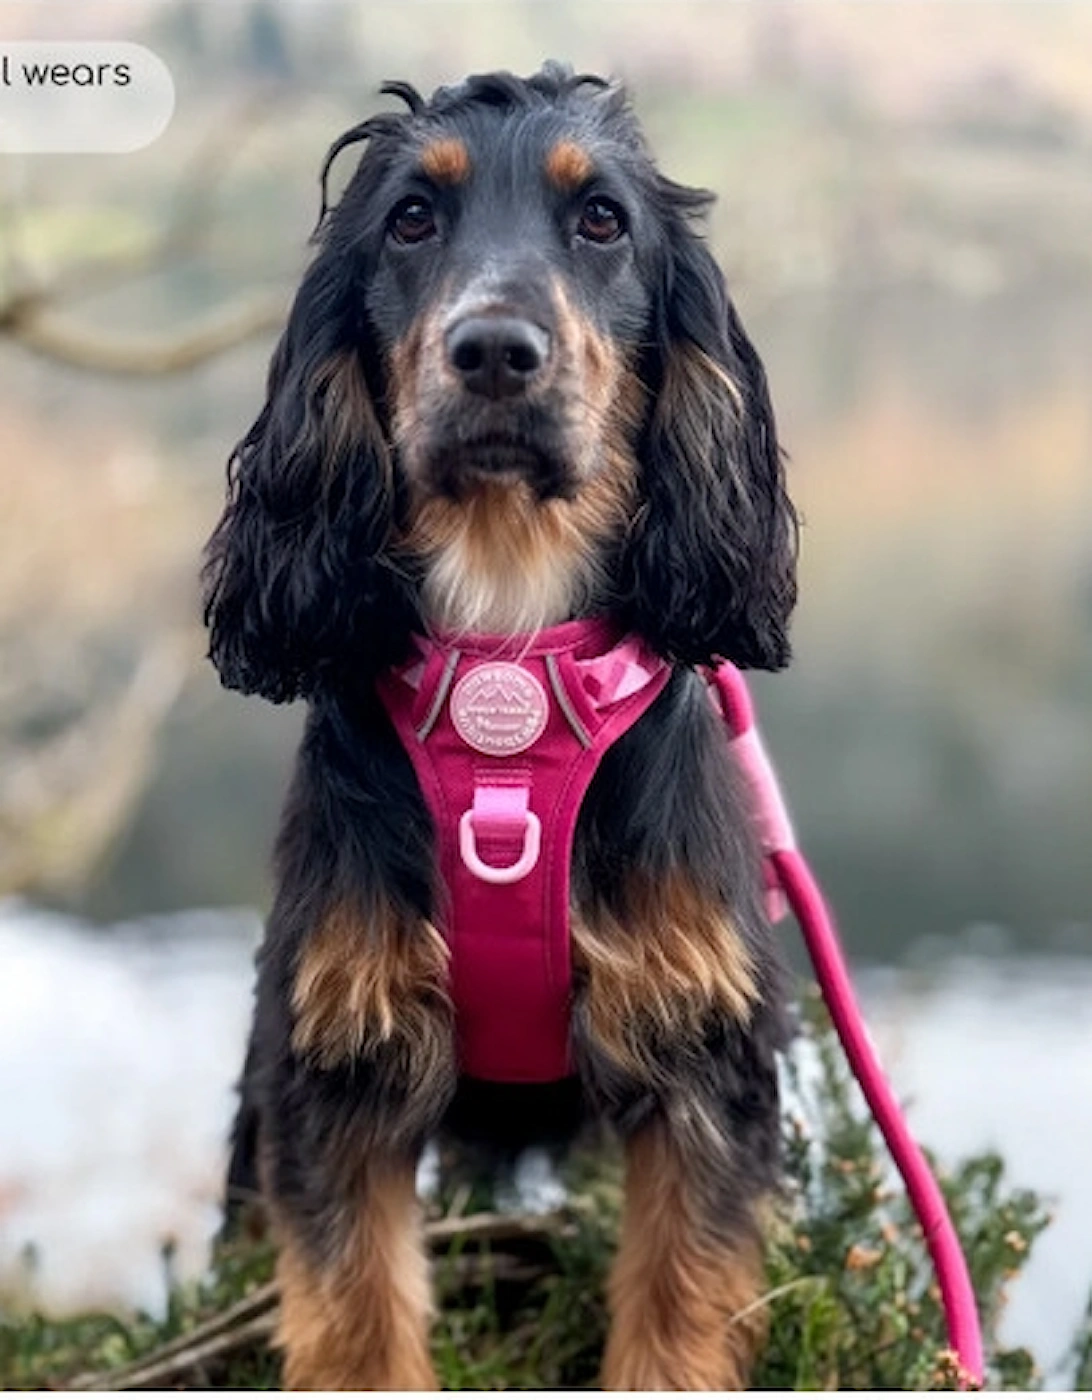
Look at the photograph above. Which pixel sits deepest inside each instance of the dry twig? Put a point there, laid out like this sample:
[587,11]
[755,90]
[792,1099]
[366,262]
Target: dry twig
[253,1320]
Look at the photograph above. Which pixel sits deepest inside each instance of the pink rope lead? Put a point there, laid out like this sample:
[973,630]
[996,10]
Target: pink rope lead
[795,879]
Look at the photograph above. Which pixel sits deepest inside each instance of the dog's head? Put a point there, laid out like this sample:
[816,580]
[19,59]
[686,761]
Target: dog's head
[512,390]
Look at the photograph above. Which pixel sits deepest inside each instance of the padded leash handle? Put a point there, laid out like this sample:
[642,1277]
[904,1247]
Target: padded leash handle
[805,899]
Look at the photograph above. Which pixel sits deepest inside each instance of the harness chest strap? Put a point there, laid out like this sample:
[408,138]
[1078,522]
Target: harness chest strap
[505,741]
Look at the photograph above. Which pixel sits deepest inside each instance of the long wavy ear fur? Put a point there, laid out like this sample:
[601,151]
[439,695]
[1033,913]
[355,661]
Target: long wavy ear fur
[299,587]
[710,568]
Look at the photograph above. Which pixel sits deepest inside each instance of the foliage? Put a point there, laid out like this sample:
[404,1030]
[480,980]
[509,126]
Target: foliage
[856,1306]
[40,1353]
[851,1297]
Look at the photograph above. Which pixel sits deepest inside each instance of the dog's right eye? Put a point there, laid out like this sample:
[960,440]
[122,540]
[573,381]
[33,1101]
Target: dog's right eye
[412,220]
[601,221]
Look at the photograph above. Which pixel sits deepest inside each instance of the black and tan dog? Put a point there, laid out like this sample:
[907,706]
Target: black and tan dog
[512,391]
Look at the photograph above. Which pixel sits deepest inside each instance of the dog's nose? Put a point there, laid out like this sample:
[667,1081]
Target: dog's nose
[497,356]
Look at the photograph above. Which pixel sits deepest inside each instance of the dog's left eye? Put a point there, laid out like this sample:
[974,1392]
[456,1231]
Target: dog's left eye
[412,220]
[601,220]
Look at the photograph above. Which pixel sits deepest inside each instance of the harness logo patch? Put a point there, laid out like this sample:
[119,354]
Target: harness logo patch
[499,708]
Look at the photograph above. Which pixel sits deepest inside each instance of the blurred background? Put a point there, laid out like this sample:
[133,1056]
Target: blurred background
[905,216]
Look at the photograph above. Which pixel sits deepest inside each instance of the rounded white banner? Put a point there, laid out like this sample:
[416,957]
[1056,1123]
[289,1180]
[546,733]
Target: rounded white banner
[81,97]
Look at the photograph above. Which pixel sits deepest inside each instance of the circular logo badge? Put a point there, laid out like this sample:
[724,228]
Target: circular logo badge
[499,708]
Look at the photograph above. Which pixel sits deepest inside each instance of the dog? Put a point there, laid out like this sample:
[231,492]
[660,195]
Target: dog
[512,394]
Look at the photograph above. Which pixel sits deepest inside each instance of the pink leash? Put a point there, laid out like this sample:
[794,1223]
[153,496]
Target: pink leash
[788,873]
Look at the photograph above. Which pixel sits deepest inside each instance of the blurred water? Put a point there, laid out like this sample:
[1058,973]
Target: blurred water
[117,1056]
[997,1053]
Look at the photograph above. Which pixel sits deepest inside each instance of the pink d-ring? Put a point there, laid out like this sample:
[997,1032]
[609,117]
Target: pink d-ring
[500,874]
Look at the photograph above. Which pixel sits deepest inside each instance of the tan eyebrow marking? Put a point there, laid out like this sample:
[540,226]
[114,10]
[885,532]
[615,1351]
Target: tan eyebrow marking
[446,160]
[568,166]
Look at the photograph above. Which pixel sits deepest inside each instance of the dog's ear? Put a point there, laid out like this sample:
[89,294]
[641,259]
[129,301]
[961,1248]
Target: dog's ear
[299,585]
[710,567]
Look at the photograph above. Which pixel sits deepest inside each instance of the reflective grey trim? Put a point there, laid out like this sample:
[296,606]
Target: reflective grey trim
[562,697]
[429,721]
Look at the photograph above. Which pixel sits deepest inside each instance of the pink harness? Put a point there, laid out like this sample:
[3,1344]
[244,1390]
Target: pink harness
[469,711]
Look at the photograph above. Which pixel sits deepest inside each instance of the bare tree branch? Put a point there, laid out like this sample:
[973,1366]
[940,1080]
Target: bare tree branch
[206,169]
[27,314]
[82,349]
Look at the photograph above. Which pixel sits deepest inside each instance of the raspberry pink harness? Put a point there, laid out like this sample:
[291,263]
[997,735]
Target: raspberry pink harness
[505,736]
[505,739]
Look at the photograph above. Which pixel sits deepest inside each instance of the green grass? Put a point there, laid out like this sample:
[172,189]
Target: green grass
[851,1297]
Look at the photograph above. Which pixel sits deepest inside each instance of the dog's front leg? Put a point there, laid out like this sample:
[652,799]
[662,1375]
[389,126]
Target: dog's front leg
[676,1032]
[684,1287]
[355,1313]
[362,1076]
